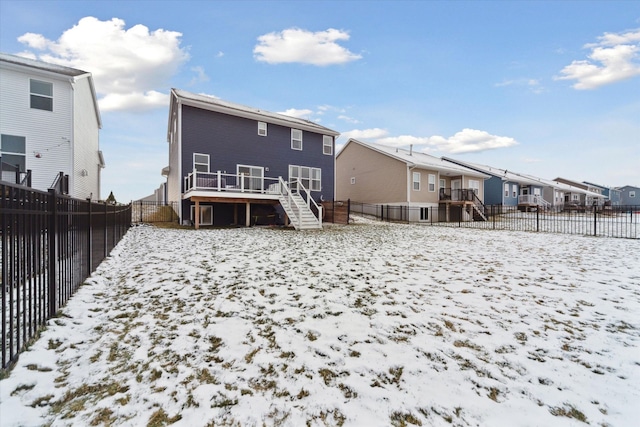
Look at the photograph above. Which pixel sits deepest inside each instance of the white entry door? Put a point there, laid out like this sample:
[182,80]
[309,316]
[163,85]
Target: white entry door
[456,186]
[252,177]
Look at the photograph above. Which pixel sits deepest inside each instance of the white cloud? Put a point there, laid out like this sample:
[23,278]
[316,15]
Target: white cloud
[300,114]
[297,45]
[533,84]
[612,59]
[348,119]
[465,141]
[201,75]
[364,134]
[127,65]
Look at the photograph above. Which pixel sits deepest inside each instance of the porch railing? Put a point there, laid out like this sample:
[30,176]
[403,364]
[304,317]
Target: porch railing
[533,199]
[240,183]
[457,194]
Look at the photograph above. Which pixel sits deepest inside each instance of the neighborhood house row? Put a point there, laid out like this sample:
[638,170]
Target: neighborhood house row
[233,164]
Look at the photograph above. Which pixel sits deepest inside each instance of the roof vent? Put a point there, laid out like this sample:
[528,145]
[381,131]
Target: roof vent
[411,149]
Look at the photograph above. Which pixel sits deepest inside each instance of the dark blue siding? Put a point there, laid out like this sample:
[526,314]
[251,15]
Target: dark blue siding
[231,140]
[493,191]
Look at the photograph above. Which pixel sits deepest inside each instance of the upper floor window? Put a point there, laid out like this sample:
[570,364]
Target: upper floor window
[514,189]
[296,139]
[41,95]
[12,151]
[506,190]
[632,193]
[416,181]
[432,182]
[201,162]
[262,129]
[327,145]
[443,184]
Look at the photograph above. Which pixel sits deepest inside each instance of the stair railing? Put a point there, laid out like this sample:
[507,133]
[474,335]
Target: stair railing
[310,201]
[292,203]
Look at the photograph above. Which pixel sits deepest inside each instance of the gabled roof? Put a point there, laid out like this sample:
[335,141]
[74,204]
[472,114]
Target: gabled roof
[503,174]
[18,63]
[416,159]
[563,187]
[211,103]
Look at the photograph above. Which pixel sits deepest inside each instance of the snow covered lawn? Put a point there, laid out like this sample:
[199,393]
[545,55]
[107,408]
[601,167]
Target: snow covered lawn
[363,325]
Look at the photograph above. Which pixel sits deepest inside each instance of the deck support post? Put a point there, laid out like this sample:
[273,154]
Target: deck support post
[197,214]
[248,214]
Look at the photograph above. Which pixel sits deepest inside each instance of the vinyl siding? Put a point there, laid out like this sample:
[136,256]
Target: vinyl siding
[379,178]
[231,140]
[86,143]
[45,131]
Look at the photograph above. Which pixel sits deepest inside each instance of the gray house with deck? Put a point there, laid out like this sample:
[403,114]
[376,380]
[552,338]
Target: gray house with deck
[230,164]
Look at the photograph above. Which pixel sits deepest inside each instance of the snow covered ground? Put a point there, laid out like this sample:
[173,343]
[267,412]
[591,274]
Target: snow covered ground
[363,325]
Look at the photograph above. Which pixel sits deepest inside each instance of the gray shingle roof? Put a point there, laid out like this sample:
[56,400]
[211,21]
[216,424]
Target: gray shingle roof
[232,108]
[45,66]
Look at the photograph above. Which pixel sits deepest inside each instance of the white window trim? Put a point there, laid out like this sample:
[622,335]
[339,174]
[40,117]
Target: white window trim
[327,142]
[506,189]
[474,185]
[311,180]
[414,182]
[199,163]
[432,183]
[632,193]
[262,128]
[40,94]
[293,131]
[203,211]
[514,190]
[424,214]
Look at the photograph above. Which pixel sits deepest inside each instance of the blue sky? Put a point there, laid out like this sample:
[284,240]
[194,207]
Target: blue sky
[548,88]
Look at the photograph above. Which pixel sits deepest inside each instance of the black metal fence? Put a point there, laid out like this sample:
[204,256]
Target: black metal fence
[606,221]
[50,244]
[151,211]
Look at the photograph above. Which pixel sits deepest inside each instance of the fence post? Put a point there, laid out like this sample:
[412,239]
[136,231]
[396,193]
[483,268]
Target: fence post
[595,220]
[89,240]
[348,210]
[537,219]
[52,250]
[106,230]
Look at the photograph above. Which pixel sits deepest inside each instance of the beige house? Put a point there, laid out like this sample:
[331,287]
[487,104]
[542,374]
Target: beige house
[425,185]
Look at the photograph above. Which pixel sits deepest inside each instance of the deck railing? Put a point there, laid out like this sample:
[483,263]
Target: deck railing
[239,183]
[533,200]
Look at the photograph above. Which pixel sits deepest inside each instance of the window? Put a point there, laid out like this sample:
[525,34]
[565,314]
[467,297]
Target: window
[12,151]
[514,190]
[201,162]
[262,129]
[416,181]
[536,191]
[41,95]
[443,184]
[327,145]
[311,178]
[432,182]
[424,214]
[296,139]
[353,180]
[575,197]
[474,185]
[206,214]
[632,193]
[506,190]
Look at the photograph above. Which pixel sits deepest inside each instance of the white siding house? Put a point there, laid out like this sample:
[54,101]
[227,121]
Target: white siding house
[49,123]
